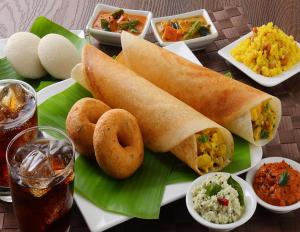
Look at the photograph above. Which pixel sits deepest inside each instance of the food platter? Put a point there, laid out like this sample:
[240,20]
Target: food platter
[120,112]
[265,81]
[98,219]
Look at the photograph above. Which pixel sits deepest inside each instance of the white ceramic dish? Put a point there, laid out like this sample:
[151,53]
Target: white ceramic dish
[265,81]
[114,38]
[249,197]
[98,219]
[193,44]
[250,177]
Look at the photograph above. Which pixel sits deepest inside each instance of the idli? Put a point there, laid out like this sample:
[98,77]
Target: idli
[58,55]
[21,51]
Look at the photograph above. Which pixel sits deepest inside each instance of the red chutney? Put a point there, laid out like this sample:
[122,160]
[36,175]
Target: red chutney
[277,184]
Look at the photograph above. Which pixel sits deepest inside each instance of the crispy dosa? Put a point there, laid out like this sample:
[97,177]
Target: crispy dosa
[166,123]
[222,99]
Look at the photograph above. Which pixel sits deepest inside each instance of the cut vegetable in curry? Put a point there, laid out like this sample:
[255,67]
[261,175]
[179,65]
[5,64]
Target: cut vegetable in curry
[277,184]
[183,28]
[263,119]
[118,21]
[211,148]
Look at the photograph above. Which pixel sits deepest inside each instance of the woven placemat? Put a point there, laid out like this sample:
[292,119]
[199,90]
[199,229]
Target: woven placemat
[231,23]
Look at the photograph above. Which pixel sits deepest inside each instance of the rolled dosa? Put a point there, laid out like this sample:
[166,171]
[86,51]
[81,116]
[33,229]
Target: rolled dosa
[166,123]
[222,99]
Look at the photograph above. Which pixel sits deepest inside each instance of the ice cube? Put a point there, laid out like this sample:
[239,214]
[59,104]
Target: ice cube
[23,151]
[36,165]
[40,162]
[60,153]
[36,171]
[12,100]
[59,147]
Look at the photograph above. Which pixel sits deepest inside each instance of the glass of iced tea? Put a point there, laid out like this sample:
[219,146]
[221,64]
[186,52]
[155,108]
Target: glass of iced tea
[40,162]
[17,112]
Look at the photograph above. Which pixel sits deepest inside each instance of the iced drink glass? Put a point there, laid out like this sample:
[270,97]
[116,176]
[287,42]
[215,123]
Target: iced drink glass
[17,112]
[40,162]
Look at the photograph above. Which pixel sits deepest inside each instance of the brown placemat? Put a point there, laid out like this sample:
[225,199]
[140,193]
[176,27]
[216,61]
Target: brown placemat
[231,23]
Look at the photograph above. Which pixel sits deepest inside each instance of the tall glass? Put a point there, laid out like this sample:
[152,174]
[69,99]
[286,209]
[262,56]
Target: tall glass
[40,162]
[17,112]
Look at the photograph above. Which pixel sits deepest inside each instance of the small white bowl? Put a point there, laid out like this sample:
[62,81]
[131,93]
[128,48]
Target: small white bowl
[249,197]
[114,38]
[193,44]
[260,79]
[250,177]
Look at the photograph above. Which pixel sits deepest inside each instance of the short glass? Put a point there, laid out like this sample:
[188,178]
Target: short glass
[40,162]
[17,112]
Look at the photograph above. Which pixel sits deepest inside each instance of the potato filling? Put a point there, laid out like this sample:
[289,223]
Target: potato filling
[211,149]
[263,120]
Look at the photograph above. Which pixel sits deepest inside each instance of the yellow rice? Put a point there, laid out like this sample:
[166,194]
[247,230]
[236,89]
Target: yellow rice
[269,51]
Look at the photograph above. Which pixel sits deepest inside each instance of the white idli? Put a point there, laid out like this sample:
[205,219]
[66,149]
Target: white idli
[58,55]
[21,51]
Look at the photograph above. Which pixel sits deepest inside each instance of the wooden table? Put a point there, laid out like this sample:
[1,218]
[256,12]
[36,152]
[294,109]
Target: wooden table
[18,15]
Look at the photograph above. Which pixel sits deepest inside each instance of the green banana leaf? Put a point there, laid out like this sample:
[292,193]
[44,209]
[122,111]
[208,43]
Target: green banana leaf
[130,197]
[240,160]
[41,27]
[139,196]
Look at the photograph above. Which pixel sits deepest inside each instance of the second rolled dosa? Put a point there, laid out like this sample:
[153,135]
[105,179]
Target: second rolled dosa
[240,108]
[166,123]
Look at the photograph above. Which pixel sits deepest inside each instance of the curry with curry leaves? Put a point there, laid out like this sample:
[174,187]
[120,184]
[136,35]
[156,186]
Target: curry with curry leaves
[183,28]
[118,21]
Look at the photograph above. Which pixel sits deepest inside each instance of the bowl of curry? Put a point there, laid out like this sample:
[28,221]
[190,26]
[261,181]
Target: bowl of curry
[195,28]
[276,183]
[107,23]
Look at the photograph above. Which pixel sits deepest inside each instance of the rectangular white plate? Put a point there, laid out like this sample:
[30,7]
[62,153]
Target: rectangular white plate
[265,81]
[96,218]
[195,43]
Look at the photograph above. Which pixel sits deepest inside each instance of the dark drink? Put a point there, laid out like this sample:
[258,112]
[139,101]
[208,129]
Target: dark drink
[17,113]
[41,168]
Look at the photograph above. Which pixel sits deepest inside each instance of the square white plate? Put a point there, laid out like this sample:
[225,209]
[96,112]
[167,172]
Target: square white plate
[194,44]
[114,38]
[96,218]
[265,81]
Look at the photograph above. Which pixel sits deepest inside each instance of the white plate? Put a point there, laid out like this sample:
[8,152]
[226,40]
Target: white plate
[249,198]
[194,44]
[114,38]
[98,219]
[250,177]
[265,81]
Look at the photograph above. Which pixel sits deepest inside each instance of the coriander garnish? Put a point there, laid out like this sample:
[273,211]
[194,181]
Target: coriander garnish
[283,178]
[203,138]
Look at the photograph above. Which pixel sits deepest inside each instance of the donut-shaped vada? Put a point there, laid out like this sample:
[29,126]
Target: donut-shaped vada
[81,122]
[118,143]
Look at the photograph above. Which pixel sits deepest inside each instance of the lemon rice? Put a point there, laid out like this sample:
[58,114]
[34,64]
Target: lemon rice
[269,51]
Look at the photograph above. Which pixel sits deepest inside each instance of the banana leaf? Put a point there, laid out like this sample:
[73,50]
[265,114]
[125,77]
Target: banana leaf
[41,27]
[241,160]
[139,196]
